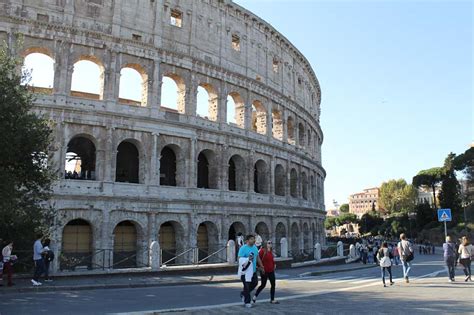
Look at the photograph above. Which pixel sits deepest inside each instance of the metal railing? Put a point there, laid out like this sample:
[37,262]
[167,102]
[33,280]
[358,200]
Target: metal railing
[214,255]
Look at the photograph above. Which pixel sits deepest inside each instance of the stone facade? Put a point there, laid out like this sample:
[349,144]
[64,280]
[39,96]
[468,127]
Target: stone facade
[271,154]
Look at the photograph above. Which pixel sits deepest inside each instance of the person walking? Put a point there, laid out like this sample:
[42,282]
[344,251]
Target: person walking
[258,241]
[405,250]
[38,260]
[48,257]
[267,257]
[245,252]
[396,255]
[385,262]
[465,256]
[449,249]
[8,260]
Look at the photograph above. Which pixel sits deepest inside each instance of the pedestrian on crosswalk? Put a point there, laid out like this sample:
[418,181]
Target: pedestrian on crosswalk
[465,256]
[249,250]
[385,262]
[267,257]
[449,249]
[405,250]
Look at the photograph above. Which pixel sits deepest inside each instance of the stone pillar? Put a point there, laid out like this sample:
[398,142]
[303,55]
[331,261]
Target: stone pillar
[192,163]
[154,255]
[62,68]
[155,161]
[284,247]
[269,122]
[222,106]
[154,89]
[231,252]
[340,249]
[109,156]
[272,175]
[352,251]
[317,252]
[191,98]
[111,79]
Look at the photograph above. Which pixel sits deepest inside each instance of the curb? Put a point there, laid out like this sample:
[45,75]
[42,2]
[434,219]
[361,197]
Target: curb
[163,284]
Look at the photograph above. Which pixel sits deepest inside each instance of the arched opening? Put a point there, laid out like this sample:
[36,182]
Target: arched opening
[259,118]
[260,178]
[295,239]
[173,93]
[235,229]
[280,180]
[277,125]
[80,159]
[207,242]
[293,183]
[41,69]
[133,88]
[280,232]
[235,110]
[207,173]
[301,135]
[168,167]
[236,173]
[290,125]
[76,245]
[207,106]
[88,79]
[128,163]
[125,245]
[304,184]
[171,237]
[306,238]
[262,229]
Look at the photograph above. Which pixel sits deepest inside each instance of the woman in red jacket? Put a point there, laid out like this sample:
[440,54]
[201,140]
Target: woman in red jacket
[267,258]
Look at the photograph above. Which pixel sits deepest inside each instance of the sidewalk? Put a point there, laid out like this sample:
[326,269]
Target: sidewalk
[162,279]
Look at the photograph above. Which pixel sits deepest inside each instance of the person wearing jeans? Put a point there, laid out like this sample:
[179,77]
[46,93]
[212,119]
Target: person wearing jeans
[247,251]
[449,255]
[266,255]
[465,254]
[38,259]
[406,251]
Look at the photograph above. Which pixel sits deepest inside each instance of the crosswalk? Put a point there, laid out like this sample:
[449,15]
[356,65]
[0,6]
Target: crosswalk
[355,280]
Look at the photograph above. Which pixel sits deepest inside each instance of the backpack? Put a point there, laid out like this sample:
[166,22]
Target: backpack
[50,256]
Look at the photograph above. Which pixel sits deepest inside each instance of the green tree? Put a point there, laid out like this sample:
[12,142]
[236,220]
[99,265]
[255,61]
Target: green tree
[465,163]
[347,218]
[396,196]
[424,215]
[429,178]
[344,208]
[450,195]
[25,178]
[330,223]
[370,222]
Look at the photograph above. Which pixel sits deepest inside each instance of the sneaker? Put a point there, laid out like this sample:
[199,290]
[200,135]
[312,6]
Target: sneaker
[384,285]
[254,299]
[248,305]
[392,283]
[35,283]
[274,302]
[406,280]
[242,297]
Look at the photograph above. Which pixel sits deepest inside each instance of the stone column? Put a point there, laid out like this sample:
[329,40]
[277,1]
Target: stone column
[111,80]
[154,89]
[109,156]
[222,106]
[63,68]
[192,163]
[191,98]
[155,161]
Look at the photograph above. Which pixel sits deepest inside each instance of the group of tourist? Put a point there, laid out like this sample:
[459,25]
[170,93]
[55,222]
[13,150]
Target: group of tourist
[426,248]
[462,253]
[42,258]
[252,260]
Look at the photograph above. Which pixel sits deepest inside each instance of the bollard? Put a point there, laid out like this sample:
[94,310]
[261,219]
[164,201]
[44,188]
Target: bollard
[284,247]
[340,249]
[231,252]
[154,255]
[317,252]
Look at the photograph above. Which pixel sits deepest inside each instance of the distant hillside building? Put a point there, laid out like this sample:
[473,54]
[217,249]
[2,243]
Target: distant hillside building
[425,195]
[365,201]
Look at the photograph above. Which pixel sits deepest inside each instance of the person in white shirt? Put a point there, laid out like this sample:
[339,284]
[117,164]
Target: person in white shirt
[465,255]
[8,259]
[38,259]
[258,241]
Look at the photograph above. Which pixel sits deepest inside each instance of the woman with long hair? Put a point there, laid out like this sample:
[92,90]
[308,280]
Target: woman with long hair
[268,261]
[385,262]
[465,256]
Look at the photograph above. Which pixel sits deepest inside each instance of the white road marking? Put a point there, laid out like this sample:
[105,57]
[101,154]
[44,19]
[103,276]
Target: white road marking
[291,297]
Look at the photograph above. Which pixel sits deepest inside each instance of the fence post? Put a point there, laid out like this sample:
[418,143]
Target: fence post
[352,251]
[340,249]
[284,247]
[317,252]
[155,256]
[231,252]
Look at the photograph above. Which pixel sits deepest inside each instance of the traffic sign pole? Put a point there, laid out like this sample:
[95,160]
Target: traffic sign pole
[445,230]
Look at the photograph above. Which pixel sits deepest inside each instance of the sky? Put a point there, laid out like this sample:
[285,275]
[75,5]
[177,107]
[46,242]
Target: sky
[396,80]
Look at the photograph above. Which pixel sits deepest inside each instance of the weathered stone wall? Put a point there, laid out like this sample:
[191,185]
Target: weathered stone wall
[266,71]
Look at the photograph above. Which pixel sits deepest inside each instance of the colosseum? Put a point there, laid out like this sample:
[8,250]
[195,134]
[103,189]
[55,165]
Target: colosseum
[142,172]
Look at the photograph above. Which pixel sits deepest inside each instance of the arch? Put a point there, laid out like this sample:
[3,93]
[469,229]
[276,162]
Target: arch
[306,238]
[207,241]
[290,125]
[262,229]
[207,170]
[234,230]
[76,244]
[259,118]
[128,163]
[301,135]
[207,105]
[293,183]
[172,240]
[80,160]
[260,178]
[304,185]
[40,66]
[280,232]
[173,93]
[237,172]
[277,125]
[280,180]
[88,78]
[295,239]
[168,167]
[133,88]
[235,110]
[125,245]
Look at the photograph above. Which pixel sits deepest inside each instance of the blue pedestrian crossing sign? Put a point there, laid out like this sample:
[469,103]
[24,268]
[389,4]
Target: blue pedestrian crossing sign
[444,215]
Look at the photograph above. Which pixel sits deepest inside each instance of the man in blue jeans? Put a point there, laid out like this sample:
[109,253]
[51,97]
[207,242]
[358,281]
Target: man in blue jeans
[38,259]
[406,255]
[244,252]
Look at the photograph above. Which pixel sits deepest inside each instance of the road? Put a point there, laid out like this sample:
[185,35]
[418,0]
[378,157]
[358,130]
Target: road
[352,292]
